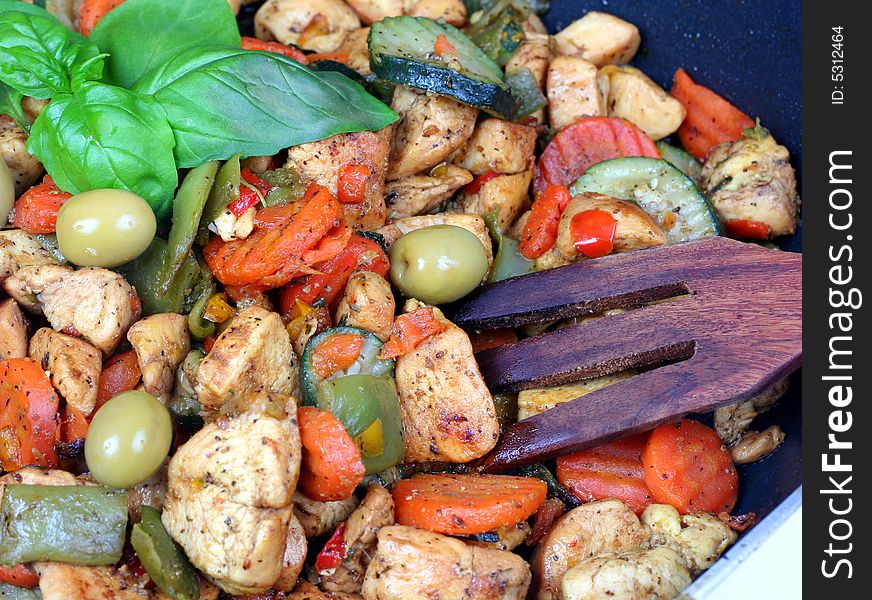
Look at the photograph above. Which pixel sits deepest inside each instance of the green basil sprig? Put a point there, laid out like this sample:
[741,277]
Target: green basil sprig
[10,104]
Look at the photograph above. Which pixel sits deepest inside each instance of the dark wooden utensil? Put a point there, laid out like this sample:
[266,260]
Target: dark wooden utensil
[732,327]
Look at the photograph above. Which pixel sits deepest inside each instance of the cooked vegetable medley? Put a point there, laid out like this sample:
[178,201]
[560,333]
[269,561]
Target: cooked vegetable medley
[225,371]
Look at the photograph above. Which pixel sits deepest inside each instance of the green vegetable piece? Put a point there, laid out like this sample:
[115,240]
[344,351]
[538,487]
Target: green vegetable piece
[102,136]
[10,104]
[78,524]
[555,489]
[682,160]
[163,560]
[199,327]
[506,406]
[258,103]
[508,260]
[49,243]
[140,35]
[287,186]
[499,30]
[13,592]
[359,401]
[526,89]
[225,190]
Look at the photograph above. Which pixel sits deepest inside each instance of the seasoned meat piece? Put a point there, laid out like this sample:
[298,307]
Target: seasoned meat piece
[575,90]
[161,343]
[751,179]
[97,304]
[320,162]
[534,54]
[19,249]
[733,420]
[228,502]
[498,145]
[307,591]
[356,46]
[150,492]
[601,38]
[37,476]
[24,167]
[412,564]
[294,557]
[326,23]
[418,194]
[73,364]
[253,354]
[635,97]
[60,581]
[368,303]
[757,445]
[655,574]
[13,330]
[448,412]
[584,532]
[452,12]
[506,194]
[371,11]
[376,511]
[700,539]
[431,127]
[317,518]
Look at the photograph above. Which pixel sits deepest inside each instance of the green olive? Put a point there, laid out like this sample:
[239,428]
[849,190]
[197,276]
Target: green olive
[438,264]
[7,193]
[128,439]
[105,228]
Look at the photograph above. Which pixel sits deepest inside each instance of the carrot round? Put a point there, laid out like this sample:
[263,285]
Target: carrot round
[120,373]
[456,504]
[332,466]
[409,330]
[29,426]
[91,11]
[710,119]
[687,466]
[540,230]
[36,211]
[250,43]
[587,142]
[19,575]
[612,470]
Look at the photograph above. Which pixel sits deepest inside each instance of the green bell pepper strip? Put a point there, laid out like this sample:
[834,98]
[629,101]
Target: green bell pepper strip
[164,562]
[526,89]
[362,402]
[555,488]
[367,363]
[224,191]
[78,524]
[286,186]
[199,327]
[508,260]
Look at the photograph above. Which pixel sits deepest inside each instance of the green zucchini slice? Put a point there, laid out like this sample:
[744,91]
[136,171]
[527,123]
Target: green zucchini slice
[680,158]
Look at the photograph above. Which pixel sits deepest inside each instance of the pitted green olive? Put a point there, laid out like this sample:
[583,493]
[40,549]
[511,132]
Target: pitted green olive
[105,228]
[438,264]
[128,439]
[7,193]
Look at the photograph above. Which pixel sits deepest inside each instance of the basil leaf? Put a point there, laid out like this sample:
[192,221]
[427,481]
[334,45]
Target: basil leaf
[102,136]
[221,101]
[10,104]
[39,57]
[141,34]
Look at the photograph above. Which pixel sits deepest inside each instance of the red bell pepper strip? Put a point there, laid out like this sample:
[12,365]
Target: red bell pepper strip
[333,552]
[351,188]
[409,330]
[747,229]
[474,186]
[593,232]
[540,230]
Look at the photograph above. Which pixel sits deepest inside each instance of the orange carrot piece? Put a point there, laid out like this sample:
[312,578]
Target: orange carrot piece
[409,330]
[340,57]
[540,230]
[710,119]
[443,46]
[456,504]
[120,373]
[29,427]
[36,211]
[91,11]
[687,466]
[332,466]
[351,188]
[74,425]
[19,575]
[336,353]
[612,470]
[250,43]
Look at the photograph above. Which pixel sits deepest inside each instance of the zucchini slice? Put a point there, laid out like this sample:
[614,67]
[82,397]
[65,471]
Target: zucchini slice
[660,189]
[683,161]
[402,50]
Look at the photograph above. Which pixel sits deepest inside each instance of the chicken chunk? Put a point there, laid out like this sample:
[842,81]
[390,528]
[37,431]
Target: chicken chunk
[751,179]
[473,223]
[13,330]
[161,343]
[320,162]
[61,581]
[19,249]
[73,364]
[733,420]
[356,46]
[575,89]
[228,502]
[584,532]
[431,127]
[96,304]
[150,492]
[368,303]
[635,228]
[533,54]
[507,195]
[419,194]
[757,445]
[359,539]
[452,12]
[253,354]
[308,591]
[498,145]
[317,518]
[640,574]
[699,538]
[37,476]
[448,411]
[601,38]
[316,25]
[412,564]
[371,11]
[635,97]
[24,167]
[294,557]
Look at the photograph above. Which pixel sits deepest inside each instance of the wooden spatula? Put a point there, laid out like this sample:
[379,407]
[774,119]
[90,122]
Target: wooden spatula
[733,327]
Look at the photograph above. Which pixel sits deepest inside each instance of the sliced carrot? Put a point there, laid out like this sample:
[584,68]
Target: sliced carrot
[351,188]
[612,470]
[492,338]
[19,575]
[467,504]
[74,425]
[587,142]
[327,285]
[91,11]
[332,466]
[266,252]
[36,211]
[29,427]
[120,373]
[409,330]
[687,466]
[340,57]
[710,119]
[540,230]
[747,229]
[443,46]
[250,43]
[336,353]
